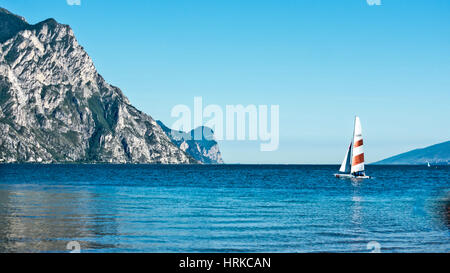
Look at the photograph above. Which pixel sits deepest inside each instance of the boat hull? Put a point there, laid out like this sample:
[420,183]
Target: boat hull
[350,176]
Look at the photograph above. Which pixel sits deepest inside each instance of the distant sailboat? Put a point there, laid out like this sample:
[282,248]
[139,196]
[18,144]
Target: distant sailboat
[353,164]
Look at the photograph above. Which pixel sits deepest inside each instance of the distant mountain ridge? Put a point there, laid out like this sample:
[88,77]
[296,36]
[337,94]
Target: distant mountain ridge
[205,150]
[438,154]
[56,107]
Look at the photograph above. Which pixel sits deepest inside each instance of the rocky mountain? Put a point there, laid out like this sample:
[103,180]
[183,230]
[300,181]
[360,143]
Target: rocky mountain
[438,154]
[55,107]
[205,150]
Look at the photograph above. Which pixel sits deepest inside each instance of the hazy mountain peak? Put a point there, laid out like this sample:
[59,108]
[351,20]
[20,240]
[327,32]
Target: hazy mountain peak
[205,150]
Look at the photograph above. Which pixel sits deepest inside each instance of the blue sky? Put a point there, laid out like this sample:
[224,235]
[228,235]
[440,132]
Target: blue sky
[322,61]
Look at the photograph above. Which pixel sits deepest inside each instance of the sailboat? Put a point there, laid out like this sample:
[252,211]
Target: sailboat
[353,164]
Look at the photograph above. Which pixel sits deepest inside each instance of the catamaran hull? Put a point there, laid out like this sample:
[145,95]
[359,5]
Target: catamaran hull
[350,176]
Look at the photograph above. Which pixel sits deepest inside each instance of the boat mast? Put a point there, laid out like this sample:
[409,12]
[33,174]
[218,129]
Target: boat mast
[353,145]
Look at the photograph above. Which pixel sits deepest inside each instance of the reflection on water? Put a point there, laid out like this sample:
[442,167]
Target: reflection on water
[356,211]
[356,204]
[44,220]
[148,208]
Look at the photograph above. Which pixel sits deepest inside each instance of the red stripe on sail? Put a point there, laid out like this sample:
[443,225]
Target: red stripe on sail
[358,143]
[358,159]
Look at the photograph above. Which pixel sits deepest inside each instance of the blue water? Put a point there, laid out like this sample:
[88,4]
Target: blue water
[231,208]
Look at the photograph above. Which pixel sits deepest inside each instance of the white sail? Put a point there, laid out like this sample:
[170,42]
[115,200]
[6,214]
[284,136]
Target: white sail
[357,148]
[346,164]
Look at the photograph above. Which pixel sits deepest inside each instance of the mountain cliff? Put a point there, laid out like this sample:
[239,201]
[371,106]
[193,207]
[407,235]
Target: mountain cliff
[438,154]
[206,150]
[55,107]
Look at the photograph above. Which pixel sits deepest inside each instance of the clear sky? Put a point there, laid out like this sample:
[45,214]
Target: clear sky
[322,61]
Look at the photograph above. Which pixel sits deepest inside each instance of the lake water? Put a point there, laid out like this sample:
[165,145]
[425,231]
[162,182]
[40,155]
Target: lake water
[230,208]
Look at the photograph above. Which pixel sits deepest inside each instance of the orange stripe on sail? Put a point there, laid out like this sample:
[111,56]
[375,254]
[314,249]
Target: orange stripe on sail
[358,143]
[358,159]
